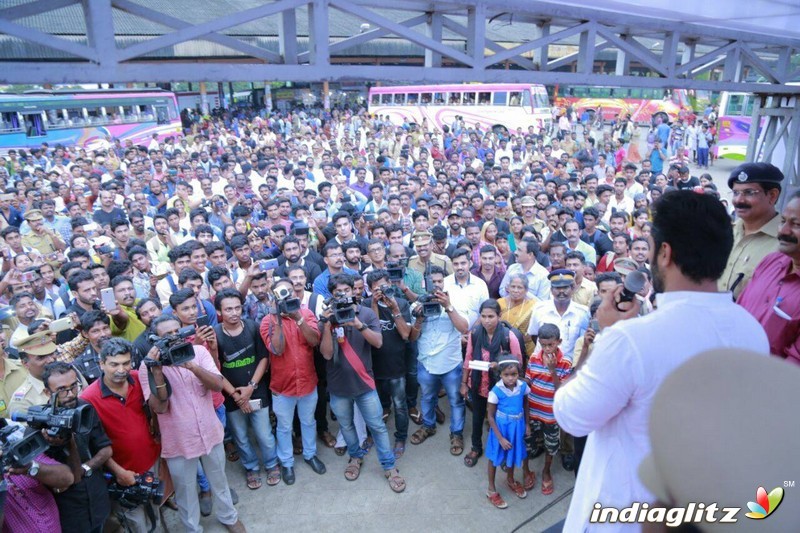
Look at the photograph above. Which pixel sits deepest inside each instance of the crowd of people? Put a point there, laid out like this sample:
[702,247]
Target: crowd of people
[260,286]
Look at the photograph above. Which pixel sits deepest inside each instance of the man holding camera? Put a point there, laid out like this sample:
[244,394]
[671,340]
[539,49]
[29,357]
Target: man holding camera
[291,335]
[118,399]
[349,334]
[190,429]
[85,505]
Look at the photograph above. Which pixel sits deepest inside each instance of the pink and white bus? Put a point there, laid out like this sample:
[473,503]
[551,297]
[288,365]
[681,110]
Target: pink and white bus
[494,106]
[86,118]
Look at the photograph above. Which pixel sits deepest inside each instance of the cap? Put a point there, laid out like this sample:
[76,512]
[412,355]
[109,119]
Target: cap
[624,266]
[731,469]
[34,214]
[561,278]
[756,173]
[433,203]
[639,196]
[37,344]
[527,201]
[454,213]
[421,237]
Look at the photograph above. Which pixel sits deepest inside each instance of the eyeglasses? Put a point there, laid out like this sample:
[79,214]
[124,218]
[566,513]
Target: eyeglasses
[747,193]
[73,389]
[334,256]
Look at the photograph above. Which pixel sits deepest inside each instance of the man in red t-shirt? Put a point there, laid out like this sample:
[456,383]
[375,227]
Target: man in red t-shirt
[118,399]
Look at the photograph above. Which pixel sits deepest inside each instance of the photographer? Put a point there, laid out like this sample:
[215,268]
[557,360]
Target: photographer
[347,346]
[389,361]
[439,346]
[290,339]
[118,399]
[244,364]
[191,433]
[85,505]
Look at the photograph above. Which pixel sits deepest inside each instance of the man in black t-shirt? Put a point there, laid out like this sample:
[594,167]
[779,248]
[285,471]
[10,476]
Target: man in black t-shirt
[389,361]
[108,212]
[243,364]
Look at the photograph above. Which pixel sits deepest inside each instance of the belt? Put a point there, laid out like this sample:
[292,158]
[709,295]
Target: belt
[500,414]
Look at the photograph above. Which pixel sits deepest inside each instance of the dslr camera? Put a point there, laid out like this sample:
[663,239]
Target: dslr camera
[173,349]
[20,451]
[396,271]
[343,307]
[286,300]
[147,487]
[57,421]
[88,365]
[430,307]
[390,291]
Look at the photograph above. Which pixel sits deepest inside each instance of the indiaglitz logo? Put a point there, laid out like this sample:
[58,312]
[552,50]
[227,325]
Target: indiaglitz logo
[765,504]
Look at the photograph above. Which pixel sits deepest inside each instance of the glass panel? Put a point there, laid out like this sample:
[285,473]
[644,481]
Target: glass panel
[162,115]
[469,99]
[515,98]
[35,126]
[413,99]
[454,99]
[526,99]
[500,98]
[439,98]
[426,99]
[96,115]
[735,105]
[541,99]
[376,98]
[748,106]
[580,92]
[386,99]
[484,98]
[10,122]
[399,99]
[635,93]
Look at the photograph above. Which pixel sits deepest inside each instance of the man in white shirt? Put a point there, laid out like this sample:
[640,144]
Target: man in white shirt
[619,201]
[538,284]
[466,291]
[610,394]
[571,318]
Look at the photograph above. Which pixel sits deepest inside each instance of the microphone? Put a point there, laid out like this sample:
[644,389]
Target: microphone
[634,282]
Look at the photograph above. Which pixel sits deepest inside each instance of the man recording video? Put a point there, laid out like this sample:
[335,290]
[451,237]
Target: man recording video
[118,399]
[85,505]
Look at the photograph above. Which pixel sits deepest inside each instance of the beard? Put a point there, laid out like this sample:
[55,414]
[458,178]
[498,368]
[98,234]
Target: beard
[658,277]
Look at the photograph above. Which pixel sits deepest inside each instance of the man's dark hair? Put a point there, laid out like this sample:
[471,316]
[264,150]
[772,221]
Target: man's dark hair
[75,253]
[137,250]
[198,211]
[531,246]
[19,296]
[57,368]
[608,276]
[180,296]
[576,255]
[619,214]
[117,267]
[331,245]
[116,280]
[79,277]
[188,274]
[377,275]
[178,252]
[592,212]
[227,293]
[10,230]
[549,332]
[352,244]
[157,321]
[461,252]
[289,239]
[90,318]
[238,242]
[69,265]
[698,230]
[118,222]
[115,346]
[216,273]
[143,301]
[203,228]
[340,279]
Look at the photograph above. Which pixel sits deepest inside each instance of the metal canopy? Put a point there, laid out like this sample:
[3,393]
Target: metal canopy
[739,45]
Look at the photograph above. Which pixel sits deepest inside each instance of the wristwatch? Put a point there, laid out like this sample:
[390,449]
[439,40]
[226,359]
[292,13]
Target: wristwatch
[87,470]
[301,321]
[362,328]
[34,469]
[450,309]
[252,384]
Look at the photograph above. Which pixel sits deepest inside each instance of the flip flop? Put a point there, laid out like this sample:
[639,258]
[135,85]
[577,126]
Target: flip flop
[496,500]
[530,481]
[253,480]
[547,488]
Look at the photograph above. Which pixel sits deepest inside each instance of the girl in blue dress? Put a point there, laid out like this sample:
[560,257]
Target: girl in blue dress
[507,406]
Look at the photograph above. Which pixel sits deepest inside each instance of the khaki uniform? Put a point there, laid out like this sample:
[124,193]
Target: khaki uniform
[41,243]
[30,393]
[442,261]
[14,376]
[585,293]
[747,253]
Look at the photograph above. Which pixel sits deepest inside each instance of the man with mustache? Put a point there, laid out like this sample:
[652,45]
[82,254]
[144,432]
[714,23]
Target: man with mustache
[95,329]
[773,295]
[756,188]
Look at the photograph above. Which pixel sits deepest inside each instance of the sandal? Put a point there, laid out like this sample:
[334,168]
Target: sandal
[471,459]
[547,488]
[328,439]
[253,480]
[496,500]
[399,449]
[517,488]
[530,481]
[396,481]
[340,451]
[456,444]
[415,415]
[232,452]
[422,434]
[274,476]
[353,469]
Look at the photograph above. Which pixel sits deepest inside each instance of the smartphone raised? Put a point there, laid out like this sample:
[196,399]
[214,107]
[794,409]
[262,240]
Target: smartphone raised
[108,298]
[62,324]
[268,264]
[203,320]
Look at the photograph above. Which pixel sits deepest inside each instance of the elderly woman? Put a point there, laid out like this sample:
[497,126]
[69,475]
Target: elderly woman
[517,307]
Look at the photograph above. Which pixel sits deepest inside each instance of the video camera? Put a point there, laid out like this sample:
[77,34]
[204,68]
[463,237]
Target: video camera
[147,487]
[287,302]
[88,365]
[430,307]
[343,307]
[396,271]
[390,291]
[58,422]
[20,451]
[173,349]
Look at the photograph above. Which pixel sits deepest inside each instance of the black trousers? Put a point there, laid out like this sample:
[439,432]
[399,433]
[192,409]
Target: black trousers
[479,404]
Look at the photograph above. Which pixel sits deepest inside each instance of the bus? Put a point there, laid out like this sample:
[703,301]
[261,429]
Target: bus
[733,124]
[497,106]
[86,118]
[644,105]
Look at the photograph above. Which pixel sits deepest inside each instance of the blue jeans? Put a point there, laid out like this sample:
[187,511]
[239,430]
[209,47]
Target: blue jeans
[702,157]
[430,385]
[262,429]
[283,406]
[395,390]
[370,406]
[202,480]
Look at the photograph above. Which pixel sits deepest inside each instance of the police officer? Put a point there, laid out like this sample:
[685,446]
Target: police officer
[12,374]
[42,238]
[35,352]
[756,188]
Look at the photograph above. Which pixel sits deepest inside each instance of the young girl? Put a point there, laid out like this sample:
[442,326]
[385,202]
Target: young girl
[507,406]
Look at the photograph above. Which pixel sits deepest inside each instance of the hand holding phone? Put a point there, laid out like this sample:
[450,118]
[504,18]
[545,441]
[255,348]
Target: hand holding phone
[108,299]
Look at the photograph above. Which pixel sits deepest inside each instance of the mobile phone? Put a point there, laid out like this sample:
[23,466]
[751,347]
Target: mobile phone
[595,325]
[26,276]
[255,405]
[62,324]
[268,264]
[320,215]
[108,298]
[203,320]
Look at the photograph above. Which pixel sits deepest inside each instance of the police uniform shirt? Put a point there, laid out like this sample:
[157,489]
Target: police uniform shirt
[747,253]
[32,392]
[14,376]
[42,243]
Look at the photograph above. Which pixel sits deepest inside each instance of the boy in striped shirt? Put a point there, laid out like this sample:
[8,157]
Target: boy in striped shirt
[546,370]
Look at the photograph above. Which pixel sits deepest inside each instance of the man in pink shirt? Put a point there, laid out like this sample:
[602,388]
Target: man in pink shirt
[29,504]
[190,429]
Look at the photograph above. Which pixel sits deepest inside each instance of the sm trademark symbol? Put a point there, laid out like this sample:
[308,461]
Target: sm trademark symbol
[788,483]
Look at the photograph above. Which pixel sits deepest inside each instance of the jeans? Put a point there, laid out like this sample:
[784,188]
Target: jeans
[412,385]
[395,390]
[284,406]
[702,157]
[240,422]
[370,406]
[202,481]
[478,416]
[430,385]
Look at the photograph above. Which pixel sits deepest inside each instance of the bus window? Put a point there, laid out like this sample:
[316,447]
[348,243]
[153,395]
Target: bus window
[35,125]
[96,115]
[439,98]
[426,99]
[386,99]
[10,122]
[735,105]
[580,92]
[514,98]
[399,99]
[454,99]
[484,98]
[750,101]
[500,98]
[162,115]
[376,99]
[413,99]
[526,98]
[540,99]
[469,99]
